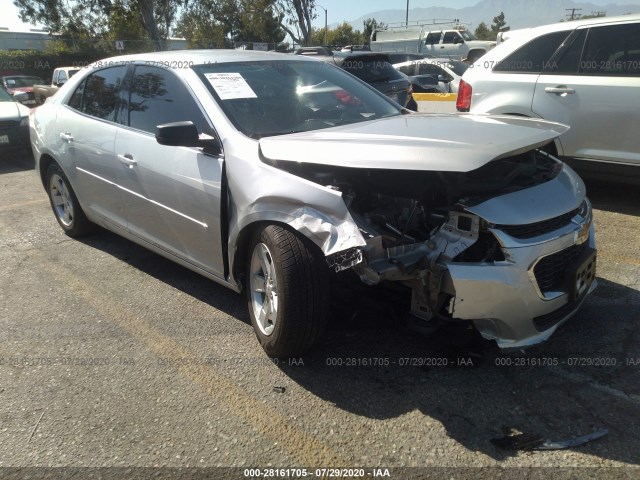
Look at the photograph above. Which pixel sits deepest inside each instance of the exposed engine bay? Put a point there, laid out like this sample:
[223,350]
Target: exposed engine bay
[414,222]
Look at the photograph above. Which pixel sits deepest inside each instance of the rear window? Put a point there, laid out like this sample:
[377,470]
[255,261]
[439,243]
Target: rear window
[532,57]
[371,71]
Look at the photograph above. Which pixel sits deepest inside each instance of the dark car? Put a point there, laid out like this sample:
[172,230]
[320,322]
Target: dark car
[14,123]
[21,83]
[375,69]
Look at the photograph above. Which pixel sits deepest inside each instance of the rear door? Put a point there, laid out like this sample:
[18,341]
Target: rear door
[593,85]
[86,130]
[172,194]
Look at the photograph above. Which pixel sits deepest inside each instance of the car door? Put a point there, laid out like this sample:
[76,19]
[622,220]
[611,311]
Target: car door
[172,194]
[86,132]
[594,87]
[432,43]
[453,45]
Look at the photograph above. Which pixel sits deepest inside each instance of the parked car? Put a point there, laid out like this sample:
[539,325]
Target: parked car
[14,123]
[430,75]
[59,78]
[584,74]
[271,174]
[375,69]
[15,84]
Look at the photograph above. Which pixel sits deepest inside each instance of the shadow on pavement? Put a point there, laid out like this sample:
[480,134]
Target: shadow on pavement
[576,383]
[15,161]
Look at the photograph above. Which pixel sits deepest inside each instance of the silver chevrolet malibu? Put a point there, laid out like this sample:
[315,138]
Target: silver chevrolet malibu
[271,173]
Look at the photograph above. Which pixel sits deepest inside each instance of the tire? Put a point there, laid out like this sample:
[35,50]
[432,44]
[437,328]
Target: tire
[287,285]
[65,205]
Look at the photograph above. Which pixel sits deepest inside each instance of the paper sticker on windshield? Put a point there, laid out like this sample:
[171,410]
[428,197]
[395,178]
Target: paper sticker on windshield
[230,85]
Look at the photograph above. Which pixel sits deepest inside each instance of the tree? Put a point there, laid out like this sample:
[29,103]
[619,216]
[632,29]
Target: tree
[91,19]
[498,23]
[370,24]
[483,32]
[296,15]
[224,23]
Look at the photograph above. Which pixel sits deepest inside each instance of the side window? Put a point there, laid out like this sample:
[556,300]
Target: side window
[612,50]
[433,38]
[157,97]
[75,101]
[101,97]
[569,58]
[452,37]
[62,76]
[533,56]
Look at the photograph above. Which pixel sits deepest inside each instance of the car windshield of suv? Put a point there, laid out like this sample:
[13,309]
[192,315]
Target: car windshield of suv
[20,82]
[266,98]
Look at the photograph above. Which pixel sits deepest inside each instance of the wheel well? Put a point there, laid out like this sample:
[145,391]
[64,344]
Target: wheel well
[244,239]
[45,161]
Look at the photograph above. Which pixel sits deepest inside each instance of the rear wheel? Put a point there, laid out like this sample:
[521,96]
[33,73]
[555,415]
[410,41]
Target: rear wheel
[65,204]
[287,291]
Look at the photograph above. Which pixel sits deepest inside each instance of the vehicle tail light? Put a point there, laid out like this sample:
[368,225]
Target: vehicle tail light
[463,103]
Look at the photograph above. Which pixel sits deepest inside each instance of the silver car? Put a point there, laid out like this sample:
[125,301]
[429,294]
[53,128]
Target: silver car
[271,174]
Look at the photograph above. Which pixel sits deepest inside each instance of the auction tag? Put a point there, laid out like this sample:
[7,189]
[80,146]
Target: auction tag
[4,138]
[229,86]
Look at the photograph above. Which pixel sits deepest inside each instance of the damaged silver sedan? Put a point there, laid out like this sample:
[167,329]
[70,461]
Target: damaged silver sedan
[270,174]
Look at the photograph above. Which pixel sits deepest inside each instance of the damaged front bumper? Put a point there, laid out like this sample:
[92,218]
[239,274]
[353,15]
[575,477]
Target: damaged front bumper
[539,274]
[521,301]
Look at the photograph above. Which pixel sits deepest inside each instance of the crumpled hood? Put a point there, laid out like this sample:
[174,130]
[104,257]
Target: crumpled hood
[447,143]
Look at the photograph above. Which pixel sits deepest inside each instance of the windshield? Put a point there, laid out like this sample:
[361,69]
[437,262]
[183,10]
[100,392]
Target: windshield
[267,98]
[467,35]
[20,82]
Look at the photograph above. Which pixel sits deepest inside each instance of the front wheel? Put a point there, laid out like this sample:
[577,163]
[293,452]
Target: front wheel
[287,291]
[65,204]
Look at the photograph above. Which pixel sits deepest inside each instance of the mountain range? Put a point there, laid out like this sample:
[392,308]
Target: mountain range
[518,13]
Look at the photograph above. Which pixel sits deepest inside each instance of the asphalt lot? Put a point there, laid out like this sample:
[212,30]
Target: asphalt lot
[112,356]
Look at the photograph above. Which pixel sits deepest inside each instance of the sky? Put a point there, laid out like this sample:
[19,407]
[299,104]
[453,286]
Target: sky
[337,10]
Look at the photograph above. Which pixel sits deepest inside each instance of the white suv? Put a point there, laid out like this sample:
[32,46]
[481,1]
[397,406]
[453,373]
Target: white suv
[585,74]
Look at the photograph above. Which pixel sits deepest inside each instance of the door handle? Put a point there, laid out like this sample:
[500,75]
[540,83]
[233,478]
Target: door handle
[127,159]
[66,137]
[560,90]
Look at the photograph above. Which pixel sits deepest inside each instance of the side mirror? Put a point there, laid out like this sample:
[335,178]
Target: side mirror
[457,40]
[185,134]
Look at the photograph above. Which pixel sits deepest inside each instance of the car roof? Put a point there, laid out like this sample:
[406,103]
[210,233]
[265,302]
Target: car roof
[198,57]
[572,25]
[341,57]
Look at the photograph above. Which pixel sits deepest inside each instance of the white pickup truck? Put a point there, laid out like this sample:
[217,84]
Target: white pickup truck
[59,78]
[454,43]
